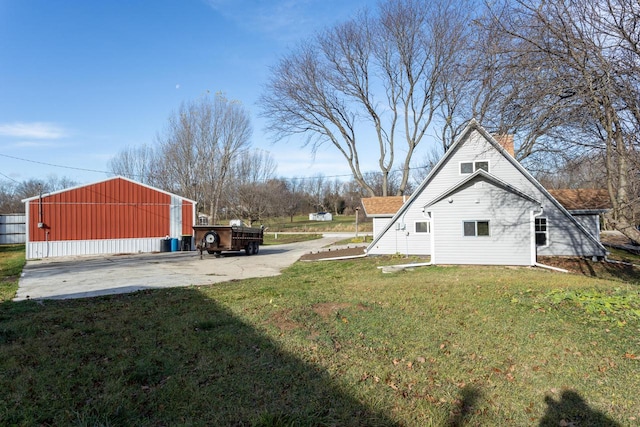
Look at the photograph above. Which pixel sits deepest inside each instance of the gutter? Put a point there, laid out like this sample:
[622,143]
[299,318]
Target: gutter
[613,261]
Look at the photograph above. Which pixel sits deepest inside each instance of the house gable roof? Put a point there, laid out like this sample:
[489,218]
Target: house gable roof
[107,180]
[464,135]
[484,176]
[382,206]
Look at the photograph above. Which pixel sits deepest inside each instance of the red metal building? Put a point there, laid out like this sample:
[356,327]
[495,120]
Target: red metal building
[116,215]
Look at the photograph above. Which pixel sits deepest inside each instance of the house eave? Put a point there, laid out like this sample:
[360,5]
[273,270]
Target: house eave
[588,211]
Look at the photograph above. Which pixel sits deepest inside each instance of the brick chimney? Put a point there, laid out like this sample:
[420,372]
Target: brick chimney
[506,142]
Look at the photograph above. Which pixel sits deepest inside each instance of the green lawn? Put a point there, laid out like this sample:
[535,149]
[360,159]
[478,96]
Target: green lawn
[332,343]
[11,263]
[283,238]
[340,223]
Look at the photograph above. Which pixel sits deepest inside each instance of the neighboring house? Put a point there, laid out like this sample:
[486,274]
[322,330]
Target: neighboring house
[116,215]
[479,205]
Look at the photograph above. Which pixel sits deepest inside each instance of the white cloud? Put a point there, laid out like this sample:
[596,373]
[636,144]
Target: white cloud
[34,130]
[284,19]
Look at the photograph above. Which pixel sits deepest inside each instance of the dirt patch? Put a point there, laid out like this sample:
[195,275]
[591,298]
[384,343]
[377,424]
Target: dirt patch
[281,320]
[328,309]
[601,269]
[333,253]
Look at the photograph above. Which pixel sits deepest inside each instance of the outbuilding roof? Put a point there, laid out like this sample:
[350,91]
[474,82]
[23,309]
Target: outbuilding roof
[382,206]
[582,199]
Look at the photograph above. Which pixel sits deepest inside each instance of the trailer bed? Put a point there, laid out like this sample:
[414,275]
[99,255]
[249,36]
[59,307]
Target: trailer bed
[218,238]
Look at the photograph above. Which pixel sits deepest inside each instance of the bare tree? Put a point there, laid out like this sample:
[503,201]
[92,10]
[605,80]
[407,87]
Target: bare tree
[370,82]
[13,192]
[137,163]
[583,59]
[198,147]
[291,198]
[253,192]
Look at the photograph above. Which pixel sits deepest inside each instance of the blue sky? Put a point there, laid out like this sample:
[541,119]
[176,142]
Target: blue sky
[81,80]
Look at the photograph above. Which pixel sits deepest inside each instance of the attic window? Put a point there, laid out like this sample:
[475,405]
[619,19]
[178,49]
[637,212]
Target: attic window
[476,228]
[470,167]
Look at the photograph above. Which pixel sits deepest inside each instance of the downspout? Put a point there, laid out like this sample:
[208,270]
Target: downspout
[406,233]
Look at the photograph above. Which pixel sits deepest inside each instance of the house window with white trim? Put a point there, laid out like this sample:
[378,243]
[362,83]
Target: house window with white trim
[470,167]
[542,232]
[423,226]
[475,228]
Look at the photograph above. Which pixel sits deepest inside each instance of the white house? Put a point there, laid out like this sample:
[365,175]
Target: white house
[479,205]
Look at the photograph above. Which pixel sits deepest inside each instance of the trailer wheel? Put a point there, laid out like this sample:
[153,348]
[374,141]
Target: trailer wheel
[211,237]
[249,249]
[256,248]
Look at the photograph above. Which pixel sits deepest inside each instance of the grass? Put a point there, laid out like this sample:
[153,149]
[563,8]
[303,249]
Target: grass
[283,238]
[333,343]
[340,223]
[11,263]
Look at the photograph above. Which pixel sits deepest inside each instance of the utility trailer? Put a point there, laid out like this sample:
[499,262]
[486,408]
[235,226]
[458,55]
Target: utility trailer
[217,238]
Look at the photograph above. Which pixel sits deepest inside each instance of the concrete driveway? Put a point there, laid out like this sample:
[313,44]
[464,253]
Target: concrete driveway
[81,277]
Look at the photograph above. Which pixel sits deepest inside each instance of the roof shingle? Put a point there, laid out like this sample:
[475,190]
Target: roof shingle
[376,206]
[582,199]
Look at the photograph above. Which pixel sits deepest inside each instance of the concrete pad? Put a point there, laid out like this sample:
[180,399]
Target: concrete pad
[80,277]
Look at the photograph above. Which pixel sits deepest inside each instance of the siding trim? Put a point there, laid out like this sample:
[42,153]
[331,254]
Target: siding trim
[47,249]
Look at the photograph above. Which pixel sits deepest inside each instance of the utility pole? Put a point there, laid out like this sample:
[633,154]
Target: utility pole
[357,211]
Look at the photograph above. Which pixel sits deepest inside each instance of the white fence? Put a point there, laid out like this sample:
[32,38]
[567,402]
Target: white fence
[13,228]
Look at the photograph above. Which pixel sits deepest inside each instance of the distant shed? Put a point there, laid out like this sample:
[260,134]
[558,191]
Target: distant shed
[116,215]
[320,216]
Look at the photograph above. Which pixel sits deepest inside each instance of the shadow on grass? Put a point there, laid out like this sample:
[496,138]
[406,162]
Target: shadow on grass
[572,410]
[465,406]
[173,357]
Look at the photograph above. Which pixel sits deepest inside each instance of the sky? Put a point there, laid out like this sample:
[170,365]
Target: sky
[81,80]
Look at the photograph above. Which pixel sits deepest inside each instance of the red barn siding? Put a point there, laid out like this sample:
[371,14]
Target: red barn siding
[113,209]
[187,218]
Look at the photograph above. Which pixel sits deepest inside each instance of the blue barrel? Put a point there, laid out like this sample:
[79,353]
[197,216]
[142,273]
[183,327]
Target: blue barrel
[175,245]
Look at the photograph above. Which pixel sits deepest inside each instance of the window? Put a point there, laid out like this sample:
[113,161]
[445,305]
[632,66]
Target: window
[541,232]
[482,165]
[476,228]
[423,227]
[470,167]
[466,167]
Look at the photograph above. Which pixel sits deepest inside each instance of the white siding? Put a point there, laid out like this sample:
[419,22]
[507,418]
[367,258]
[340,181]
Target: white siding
[591,222]
[509,216]
[37,250]
[379,224]
[13,228]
